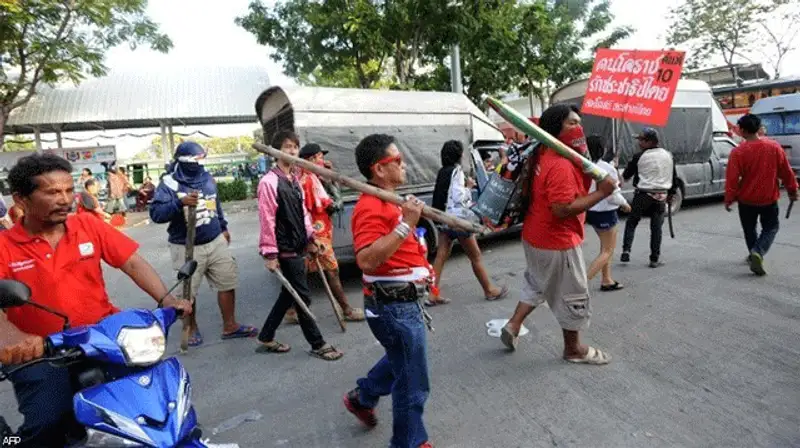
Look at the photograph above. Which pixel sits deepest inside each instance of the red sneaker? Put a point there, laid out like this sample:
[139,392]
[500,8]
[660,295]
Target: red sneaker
[426,445]
[365,415]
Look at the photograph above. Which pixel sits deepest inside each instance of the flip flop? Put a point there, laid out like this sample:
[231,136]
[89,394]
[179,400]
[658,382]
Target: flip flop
[326,353]
[612,287]
[503,293]
[437,302]
[195,339]
[593,357]
[272,347]
[244,331]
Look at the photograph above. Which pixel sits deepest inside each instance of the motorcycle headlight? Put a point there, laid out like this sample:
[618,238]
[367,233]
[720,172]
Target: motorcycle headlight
[143,346]
[98,439]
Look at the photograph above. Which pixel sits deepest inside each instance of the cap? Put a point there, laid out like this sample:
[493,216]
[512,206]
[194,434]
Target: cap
[647,134]
[310,150]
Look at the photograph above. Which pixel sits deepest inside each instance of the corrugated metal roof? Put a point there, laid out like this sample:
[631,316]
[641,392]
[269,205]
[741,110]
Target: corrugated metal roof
[219,95]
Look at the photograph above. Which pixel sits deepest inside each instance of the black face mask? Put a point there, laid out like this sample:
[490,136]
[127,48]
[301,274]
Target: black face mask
[190,169]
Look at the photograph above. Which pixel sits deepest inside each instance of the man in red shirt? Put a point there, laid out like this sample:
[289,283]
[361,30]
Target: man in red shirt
[552,234]
[58,257]
[396,277]
[320,206]
[754,168]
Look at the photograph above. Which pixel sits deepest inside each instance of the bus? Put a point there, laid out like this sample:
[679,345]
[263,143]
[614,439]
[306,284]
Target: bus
[736,101]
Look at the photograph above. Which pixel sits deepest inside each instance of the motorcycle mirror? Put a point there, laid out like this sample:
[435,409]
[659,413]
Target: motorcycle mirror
[13,294]
[187,270]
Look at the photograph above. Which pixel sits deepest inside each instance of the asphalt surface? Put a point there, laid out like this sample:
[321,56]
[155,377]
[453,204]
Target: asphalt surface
[704,353]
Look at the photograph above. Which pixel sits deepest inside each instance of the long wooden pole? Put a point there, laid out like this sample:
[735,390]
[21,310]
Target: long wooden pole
[428,212]
[521,123]
[190,214]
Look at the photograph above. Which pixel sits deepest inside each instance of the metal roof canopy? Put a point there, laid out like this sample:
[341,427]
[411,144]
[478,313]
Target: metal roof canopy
[144,99]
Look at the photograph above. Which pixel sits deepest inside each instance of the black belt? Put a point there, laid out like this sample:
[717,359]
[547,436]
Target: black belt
[386,292]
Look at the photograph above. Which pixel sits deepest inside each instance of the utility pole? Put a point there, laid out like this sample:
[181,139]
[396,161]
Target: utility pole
[455,70]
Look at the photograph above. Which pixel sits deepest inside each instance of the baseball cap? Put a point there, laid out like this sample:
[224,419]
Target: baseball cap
[310,150]
[647,134]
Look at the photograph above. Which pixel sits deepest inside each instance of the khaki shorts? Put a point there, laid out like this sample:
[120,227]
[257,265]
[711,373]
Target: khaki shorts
[214,261]
[559,278]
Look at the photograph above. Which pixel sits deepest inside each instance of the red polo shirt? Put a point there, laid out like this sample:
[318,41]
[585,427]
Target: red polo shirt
[373,219]
[68,278]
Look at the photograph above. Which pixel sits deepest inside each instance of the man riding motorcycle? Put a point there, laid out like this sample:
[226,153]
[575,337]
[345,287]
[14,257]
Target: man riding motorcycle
[58,255]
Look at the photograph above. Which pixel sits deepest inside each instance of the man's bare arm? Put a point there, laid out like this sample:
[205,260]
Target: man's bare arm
[9,333]
[374,255]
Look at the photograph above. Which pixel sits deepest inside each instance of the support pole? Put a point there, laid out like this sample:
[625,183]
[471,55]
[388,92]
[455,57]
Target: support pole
[37,137]
[171,139]
[455,70]
[58,137]
[165,153]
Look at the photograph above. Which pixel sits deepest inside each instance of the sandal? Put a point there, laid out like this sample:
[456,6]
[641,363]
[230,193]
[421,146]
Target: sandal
[509,340]
[327,353]
[612,287]
[355,315]
[436,301]
[195,339]
[593,357]
[244,331]
[503,293]
[272,347]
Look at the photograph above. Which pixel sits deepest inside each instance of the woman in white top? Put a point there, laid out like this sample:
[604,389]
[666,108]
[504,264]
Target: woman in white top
[603,217]
[452,194]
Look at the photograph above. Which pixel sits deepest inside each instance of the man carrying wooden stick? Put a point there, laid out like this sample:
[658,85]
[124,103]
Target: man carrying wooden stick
[286,238]
[396,278]
[189,184]
[320,207]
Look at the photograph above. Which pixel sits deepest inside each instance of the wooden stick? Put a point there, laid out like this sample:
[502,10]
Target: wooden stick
[336,310]
[294,294]
[451,221]
[190,213]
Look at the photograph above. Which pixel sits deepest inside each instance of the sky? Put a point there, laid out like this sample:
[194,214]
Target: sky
[204,33]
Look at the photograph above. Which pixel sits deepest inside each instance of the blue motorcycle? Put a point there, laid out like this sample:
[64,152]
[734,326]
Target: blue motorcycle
[129,396]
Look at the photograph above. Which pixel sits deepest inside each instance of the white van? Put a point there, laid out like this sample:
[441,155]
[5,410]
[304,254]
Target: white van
[696,134]
[781,116]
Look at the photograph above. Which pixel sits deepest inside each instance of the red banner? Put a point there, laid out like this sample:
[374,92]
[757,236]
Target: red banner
[633,85]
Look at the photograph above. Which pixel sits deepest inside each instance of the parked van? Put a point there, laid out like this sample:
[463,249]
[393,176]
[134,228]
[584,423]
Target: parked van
[696,134]
[781,116]
[421,122]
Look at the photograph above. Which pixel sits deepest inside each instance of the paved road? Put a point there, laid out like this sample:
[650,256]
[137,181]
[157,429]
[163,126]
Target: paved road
[705,354]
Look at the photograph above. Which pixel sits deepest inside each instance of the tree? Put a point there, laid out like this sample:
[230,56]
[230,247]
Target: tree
[558,42]
[780,31]
[723,28]
[50,41]
[354,43]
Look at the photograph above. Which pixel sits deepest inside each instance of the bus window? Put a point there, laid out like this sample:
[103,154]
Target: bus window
[791,123]
[773,123]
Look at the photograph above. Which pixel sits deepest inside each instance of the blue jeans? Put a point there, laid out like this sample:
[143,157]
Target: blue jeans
[749,215]
[44,394]
[403,371]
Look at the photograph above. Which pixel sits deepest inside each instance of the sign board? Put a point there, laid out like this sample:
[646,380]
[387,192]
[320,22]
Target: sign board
[86,156]
[634,85]
[494,199]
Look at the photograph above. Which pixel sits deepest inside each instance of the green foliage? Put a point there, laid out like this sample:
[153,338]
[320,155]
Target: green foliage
[49,41]
[505,44]
[254,187]
[236,190]
[726,28]
[14,146]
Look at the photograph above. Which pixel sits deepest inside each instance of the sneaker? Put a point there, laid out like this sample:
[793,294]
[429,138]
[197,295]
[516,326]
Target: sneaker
[757,264]
[365,415]
[625,257]
[656,264]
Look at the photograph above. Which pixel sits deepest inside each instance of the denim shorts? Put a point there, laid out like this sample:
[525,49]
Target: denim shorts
[454,234]
[602,220]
